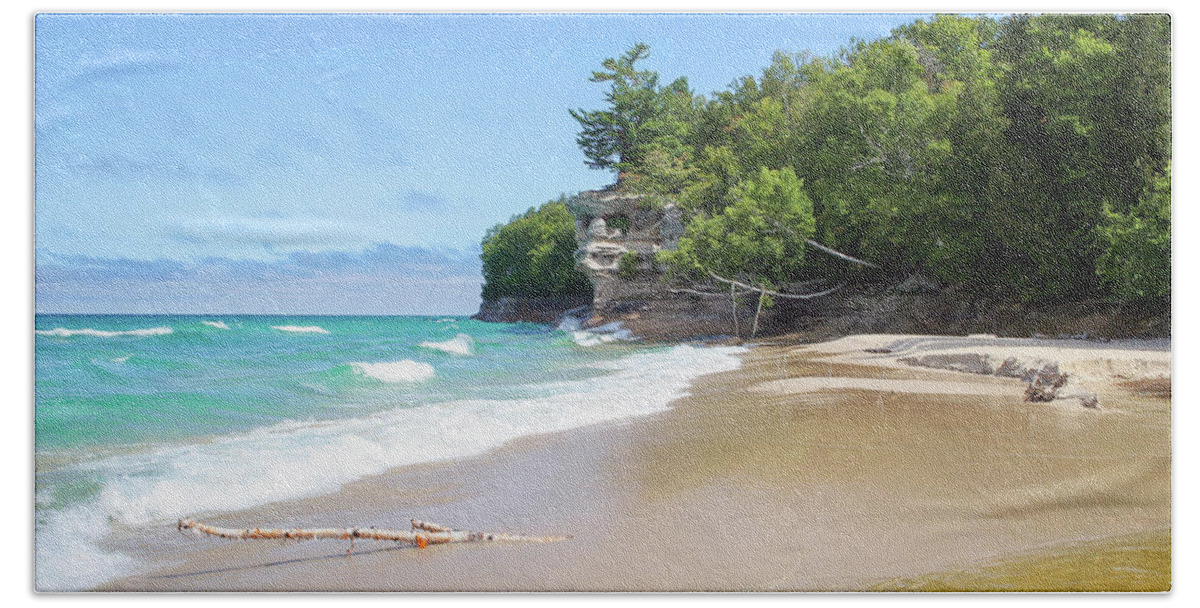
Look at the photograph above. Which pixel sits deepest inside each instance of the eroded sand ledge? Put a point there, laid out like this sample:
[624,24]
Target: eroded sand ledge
[1091,366]
[811,468]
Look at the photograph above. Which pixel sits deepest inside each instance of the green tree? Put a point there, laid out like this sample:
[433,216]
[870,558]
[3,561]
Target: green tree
[533,256]
[642,119]
[1136,263]
[1087,100]
[879,137]
[759,238]
[1024,156]
[610,138]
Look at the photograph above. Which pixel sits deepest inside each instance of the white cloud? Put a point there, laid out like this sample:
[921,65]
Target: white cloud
[382,279]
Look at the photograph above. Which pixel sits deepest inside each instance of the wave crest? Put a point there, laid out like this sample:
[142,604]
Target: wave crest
[462,344]
[62,332]
[301,329]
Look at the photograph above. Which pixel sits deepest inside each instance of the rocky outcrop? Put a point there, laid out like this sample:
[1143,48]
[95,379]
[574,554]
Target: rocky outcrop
[929,309]
[1043,378]
[619,235]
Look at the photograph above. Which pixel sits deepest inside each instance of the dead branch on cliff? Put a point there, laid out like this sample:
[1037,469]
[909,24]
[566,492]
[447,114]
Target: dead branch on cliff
[773,293]
[825,248]
[763,292]
[422,534]
[709,294]
[837,254]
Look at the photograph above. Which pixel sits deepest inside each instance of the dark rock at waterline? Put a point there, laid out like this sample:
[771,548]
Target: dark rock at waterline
[530,310]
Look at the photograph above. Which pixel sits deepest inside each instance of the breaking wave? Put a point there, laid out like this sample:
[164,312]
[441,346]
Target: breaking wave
[462,344]
[396,371]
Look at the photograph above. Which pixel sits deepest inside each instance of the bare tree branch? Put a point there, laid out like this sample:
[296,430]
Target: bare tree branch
[833,252]
[837,254]
[807,296]
[708,293]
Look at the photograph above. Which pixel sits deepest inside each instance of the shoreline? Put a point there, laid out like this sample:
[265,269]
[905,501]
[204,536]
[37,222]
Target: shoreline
[739,486]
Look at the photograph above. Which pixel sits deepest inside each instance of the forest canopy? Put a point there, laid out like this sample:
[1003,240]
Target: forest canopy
[1026,157]
[533,256]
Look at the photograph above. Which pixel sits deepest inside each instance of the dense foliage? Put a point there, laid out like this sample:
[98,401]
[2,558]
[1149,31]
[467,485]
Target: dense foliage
[533,255]
[1026,156]
[760,236]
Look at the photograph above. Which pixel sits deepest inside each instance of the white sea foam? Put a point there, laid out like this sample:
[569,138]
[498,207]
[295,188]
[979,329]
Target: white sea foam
[396,371]
[121,359]
[569,324]
[67,554]
[301,459]
[462,344]
[217,324]
[594,336]
[62,332]
[301,329]
[612,332]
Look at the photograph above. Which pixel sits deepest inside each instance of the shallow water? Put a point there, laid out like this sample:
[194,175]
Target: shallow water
[142,420]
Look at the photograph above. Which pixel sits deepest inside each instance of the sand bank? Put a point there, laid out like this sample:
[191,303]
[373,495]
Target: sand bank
[818,467]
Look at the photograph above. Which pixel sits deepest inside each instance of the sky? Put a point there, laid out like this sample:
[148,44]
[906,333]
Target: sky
[332,164]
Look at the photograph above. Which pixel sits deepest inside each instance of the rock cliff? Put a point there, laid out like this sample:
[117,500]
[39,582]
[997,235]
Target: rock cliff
[619,235]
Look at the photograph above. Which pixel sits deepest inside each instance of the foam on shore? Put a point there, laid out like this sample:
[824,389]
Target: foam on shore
[396,371]
[594,336]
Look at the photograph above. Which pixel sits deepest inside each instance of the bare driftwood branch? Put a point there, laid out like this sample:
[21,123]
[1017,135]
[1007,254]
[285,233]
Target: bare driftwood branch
[737,330]
[710,294]
[422,534]
[763,290]
[837,254]
[831,251]
[757,312]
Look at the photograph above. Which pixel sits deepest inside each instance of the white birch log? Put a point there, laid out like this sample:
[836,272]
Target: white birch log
[422,534]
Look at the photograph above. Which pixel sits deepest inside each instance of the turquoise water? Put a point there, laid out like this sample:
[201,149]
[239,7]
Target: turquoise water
[140,420]
[200,379]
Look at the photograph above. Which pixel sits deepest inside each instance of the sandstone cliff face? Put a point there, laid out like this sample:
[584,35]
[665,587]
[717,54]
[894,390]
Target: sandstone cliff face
[618,237]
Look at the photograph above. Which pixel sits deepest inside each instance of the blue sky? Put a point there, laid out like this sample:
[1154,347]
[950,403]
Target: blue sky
[224,163]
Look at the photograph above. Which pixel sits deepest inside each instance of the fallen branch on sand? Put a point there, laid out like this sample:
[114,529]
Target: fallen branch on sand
[422,534]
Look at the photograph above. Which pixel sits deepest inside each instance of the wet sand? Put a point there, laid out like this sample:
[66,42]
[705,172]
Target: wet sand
[815,467]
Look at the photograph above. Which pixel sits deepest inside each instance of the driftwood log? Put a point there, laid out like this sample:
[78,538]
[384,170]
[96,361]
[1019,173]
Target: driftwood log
[422,534]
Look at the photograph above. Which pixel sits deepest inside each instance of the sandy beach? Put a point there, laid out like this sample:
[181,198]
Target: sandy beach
[812,467]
